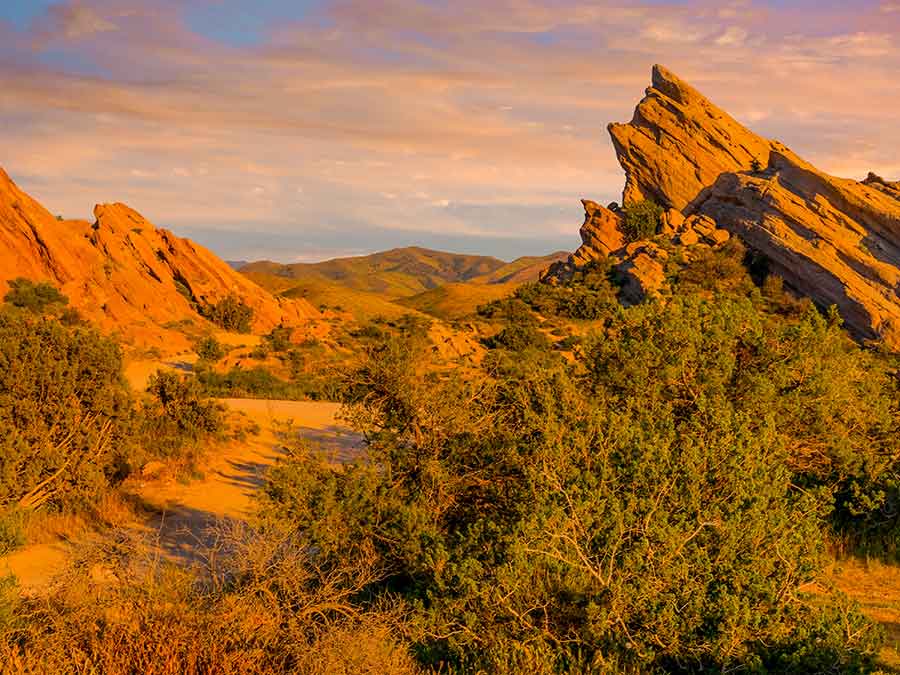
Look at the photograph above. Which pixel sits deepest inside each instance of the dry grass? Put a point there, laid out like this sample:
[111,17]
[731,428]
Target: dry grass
[876,587]
[112,509]
[258,606]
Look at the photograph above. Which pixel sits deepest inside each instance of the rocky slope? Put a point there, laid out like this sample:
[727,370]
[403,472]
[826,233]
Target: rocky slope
[832,239]
[124,273]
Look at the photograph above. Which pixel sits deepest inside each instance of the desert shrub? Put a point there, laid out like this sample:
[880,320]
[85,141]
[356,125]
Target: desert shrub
[181,403]
[277,615]
[210,349]
[12,532]
[279,338]
[641,219]
[173,419]
[37,297]
[518,337]
[64,412]
[637,512]
[259,382]
[230,313]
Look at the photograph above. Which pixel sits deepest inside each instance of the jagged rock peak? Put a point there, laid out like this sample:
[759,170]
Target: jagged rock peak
[679,143]
[834,240]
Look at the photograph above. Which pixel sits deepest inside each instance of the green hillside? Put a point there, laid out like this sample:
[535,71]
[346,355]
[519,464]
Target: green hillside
[521,270]
[325,294]
[455,301]
[400,272]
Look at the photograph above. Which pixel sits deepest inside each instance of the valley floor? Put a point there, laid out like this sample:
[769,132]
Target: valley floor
[226,490]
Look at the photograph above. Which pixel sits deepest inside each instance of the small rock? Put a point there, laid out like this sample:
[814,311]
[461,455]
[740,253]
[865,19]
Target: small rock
[717,237]
[688,238]
[674,218]
[702,225]
[642,271]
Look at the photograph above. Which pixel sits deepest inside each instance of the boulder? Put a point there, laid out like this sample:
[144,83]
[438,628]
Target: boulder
[642,272]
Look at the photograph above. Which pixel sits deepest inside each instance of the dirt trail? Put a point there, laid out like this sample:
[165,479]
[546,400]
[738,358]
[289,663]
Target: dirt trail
[235,472]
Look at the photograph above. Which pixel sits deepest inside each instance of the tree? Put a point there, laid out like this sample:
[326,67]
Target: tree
[210,349]
[623,514]
[64,412]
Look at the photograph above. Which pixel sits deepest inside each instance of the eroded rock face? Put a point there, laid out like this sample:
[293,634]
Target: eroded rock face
[121,271]
[642,271]
[678,143]
[834,240]
[601,233]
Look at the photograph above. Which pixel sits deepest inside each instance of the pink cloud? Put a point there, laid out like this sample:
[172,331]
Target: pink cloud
[474,103]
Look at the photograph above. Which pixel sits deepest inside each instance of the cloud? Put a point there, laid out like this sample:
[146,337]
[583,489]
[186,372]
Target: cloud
[399,116]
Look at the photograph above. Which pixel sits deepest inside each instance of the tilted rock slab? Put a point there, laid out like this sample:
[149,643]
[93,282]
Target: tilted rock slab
[832,239]
[121,271]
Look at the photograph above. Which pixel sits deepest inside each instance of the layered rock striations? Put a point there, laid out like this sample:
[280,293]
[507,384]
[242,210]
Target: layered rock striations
[834,240]
[124,273]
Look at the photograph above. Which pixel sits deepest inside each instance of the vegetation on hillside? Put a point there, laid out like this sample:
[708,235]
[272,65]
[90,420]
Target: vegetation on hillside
[641,219]
[614,490]
[656,504]
[229,313]
[70,429]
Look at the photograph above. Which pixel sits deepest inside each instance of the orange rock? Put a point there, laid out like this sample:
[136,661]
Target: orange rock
[832,239]
[601,233]
[124,274]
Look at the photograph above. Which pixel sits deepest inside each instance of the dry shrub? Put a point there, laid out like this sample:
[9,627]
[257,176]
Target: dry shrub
[259,606]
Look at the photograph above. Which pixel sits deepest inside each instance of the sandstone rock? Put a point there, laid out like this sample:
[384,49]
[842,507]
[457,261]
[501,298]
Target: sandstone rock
[702,225]
[678,143]
[687,238]
[642,271]
[124,274]
[674,219]
[834,240]
[601,233]
[717,237]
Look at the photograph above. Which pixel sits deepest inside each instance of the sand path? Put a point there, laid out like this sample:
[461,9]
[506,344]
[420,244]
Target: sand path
[233,476]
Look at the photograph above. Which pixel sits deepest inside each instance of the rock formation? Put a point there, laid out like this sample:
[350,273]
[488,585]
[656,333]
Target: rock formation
[125,274]
[601,233]
[834,240]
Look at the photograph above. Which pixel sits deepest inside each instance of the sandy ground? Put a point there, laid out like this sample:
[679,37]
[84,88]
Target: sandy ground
[234,474]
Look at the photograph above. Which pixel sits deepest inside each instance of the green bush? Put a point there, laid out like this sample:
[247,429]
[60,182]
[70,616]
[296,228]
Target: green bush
[12,533]
[179,403]
[64,412]
[230,313]
[641,219]
[258,382]
[37,297]
[210,349]
[518,337]
[656,507]
[279,338]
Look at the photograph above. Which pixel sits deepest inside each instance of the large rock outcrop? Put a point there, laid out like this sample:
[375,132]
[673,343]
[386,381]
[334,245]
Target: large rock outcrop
[832,239]
[125,274]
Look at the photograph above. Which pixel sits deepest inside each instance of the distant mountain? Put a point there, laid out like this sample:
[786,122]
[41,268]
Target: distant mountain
[236,264]
[400,272]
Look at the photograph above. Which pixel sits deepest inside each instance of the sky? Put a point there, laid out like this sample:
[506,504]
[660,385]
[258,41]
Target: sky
[299,130]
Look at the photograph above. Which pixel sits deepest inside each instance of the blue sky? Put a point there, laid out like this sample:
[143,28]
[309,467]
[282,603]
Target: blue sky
[314,128]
